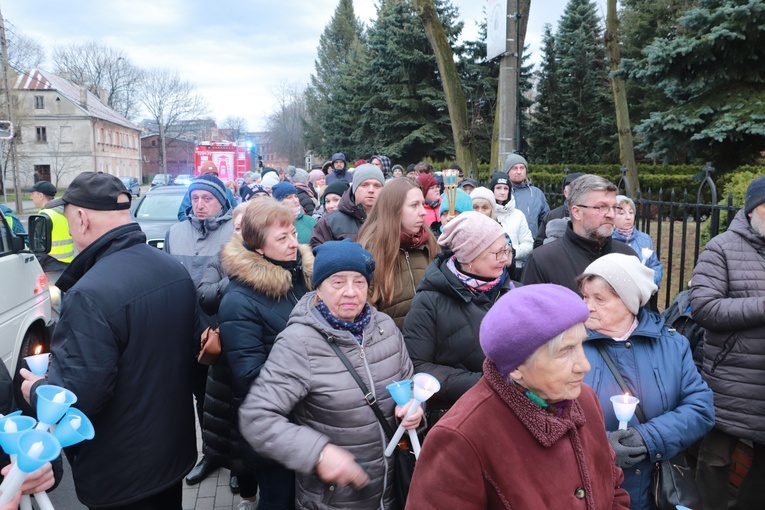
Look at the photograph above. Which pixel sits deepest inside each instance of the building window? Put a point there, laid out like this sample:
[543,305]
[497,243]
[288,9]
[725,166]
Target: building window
[39,102]
[42,135]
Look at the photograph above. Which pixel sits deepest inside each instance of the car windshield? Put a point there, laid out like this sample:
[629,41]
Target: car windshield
[162,207]
[125,180]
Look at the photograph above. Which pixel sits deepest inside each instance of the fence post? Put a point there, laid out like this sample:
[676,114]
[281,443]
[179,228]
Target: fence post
[714,225]
[623,179]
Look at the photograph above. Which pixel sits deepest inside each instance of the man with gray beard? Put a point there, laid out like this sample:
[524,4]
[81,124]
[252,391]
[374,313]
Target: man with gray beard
[728,300]
[592,203]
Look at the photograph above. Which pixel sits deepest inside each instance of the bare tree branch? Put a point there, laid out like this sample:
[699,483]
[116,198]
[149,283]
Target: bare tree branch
[171,102]
[103,70]
[237,125]
[287,123]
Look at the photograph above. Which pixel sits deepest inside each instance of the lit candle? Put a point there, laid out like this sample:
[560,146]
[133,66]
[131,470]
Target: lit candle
[624,408]
[38,364]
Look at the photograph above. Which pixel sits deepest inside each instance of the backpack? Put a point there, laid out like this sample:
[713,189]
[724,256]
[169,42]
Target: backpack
[678,317]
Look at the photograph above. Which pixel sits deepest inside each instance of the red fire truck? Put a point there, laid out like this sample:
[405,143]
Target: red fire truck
[231,158]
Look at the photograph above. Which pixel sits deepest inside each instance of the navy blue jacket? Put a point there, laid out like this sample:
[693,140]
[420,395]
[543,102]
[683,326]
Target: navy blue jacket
[657,366]
[122,346]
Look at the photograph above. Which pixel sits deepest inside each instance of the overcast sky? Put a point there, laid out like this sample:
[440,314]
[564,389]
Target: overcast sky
[237,52]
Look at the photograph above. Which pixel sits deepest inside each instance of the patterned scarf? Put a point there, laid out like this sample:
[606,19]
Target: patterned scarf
[412,241]
[356,327]
[471,282]
[625,232]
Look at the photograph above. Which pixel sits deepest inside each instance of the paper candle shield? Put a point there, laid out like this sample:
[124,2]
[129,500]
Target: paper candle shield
[400,391]
[48,410]
[51,449]
[67,435]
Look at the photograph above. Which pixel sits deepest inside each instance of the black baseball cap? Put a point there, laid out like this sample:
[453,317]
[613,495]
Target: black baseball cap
[94,190]
[571,178]
[44,187]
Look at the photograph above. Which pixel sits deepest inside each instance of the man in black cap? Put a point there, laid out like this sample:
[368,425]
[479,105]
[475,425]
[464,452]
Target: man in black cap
[62,247]
[560,212]
[123,353]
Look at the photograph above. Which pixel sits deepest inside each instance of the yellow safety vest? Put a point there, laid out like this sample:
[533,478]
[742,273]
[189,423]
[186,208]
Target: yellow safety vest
[62,245]
[9,219]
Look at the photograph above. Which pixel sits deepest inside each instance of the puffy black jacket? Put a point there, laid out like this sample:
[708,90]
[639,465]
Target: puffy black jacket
[254,310]
[441,330]
[728,299]
[122,346]
[306,196]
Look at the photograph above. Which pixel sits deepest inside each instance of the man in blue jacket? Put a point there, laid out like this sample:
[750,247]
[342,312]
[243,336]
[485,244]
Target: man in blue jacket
[124,354]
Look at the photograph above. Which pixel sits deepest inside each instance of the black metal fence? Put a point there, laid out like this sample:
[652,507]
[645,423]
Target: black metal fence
[679,225]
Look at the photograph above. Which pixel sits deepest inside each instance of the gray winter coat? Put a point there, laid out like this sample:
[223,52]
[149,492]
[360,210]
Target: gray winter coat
[728,299]
[305,398]
[196,242]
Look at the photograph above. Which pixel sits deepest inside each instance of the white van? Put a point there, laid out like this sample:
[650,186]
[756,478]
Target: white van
[25,306]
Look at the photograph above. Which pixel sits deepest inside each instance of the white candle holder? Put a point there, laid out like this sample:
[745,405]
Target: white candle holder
[624,408]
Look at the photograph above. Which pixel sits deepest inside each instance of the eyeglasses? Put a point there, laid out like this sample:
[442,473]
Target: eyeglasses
[603,209]
[507,251]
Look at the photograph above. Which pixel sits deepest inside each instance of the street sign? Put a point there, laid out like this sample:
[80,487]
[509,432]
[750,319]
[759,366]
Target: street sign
[6,130]
[496,28]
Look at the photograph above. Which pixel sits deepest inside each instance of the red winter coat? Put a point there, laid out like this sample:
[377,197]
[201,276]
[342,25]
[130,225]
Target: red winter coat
[495,449]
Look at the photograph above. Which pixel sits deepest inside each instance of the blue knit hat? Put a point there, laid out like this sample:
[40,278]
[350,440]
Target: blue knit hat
[335,256]
[462,203]
[540,313]
[283,190]
[208,182]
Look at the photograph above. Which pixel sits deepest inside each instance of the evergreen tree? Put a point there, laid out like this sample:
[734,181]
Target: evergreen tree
[342,32]
[586,114]
[641,21]
[712,72]
[405,114]
[545,129]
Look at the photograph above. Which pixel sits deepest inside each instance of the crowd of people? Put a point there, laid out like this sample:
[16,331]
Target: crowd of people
[328,285]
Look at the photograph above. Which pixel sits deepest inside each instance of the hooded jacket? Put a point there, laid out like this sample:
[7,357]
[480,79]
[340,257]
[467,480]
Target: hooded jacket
[441,330]
[657,365]
[565,259]
[531,201]
[196,242]
[516,226]
[497,450]
[122,346]
[342,223]
[728,299]
[305,398]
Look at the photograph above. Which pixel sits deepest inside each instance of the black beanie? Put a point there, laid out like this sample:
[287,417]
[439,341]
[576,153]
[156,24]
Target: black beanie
[338,187]
[499,178]
[755,194]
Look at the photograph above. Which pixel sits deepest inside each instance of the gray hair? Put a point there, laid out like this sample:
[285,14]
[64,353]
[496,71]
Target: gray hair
[256,176]
[552,347]
[586,184]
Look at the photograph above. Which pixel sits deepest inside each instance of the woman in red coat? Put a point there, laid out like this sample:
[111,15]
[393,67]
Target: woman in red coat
[529,434]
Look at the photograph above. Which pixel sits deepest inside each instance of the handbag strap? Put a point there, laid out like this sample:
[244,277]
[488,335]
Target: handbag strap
[619,379]
[369,397]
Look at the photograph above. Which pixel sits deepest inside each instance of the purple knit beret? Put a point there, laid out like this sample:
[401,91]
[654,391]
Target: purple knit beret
[526,318]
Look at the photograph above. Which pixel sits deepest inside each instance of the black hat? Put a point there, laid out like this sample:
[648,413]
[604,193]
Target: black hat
[499,178]
[44,187]
[94,190]
[571,178]
[337,187]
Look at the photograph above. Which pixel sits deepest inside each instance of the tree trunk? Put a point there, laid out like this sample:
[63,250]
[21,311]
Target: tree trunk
[455,99]
[522,6]
[626,148]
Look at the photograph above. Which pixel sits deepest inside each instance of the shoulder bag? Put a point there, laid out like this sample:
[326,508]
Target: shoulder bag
[210,346]
[403,457]
[672,481]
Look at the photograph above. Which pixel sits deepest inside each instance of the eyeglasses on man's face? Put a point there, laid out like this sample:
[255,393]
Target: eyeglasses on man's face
[603,209]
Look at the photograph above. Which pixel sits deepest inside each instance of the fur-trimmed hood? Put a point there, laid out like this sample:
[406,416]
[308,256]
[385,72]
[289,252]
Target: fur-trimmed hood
[250,268]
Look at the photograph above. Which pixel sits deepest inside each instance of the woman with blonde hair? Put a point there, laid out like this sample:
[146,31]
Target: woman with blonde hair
[401,249]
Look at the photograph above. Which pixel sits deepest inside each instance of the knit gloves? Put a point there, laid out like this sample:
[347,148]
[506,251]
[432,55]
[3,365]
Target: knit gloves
[628,446]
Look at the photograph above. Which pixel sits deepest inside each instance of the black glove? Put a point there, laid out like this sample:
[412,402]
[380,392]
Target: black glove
[628,446]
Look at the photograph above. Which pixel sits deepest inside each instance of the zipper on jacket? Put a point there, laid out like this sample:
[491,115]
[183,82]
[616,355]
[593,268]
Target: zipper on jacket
[411,275]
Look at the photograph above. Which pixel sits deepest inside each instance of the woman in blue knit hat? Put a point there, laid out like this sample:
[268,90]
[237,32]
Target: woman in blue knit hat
[307,412]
